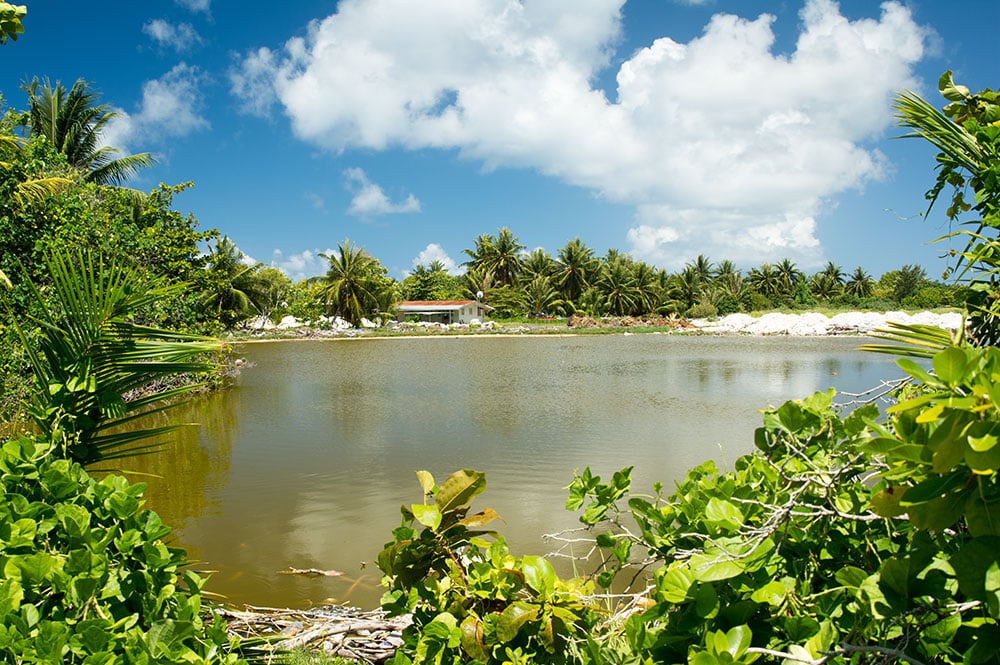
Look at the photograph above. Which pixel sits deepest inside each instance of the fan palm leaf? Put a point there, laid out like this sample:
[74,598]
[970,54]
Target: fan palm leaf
[90,356]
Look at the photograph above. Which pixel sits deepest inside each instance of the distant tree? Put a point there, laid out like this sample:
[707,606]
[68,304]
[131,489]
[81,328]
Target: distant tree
[233,289]
[908,281]
[703,268]
[576,268]
[356,286]
[498,256]
[788,275]
[537,263]
[617,284]
[765,280]
[859,284]
[540,297]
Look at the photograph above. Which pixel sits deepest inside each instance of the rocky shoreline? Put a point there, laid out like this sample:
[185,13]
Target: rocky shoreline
[810,324]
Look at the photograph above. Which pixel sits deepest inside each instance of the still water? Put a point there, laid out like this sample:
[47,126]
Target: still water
[305,461]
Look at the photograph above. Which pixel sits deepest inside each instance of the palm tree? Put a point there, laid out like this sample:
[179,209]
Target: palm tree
[702,268]
[647,287]
[823,285]
[687,287]
[618,287]
[350,288]
[540,297]
[73,121]
[499,257]
[234,291]
[789,275]
[575,269]
[859,284]
[537,263]
[90,356]
[765,280]
[834,272]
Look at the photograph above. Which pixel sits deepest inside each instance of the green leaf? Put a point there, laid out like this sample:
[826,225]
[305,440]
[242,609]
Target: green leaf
[706,601]
[429,516]
[426,481]
[724,514]
[934,487]
[456,493]
[674,582]
[512,618]
[539,575]
[773,593]
[950,365]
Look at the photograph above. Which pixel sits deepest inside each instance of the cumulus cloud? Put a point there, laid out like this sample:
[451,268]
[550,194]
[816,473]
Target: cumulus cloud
[435,252]
[369,199]
[719,132]
[170,107]
[202,6]
[305,264]
[179,37]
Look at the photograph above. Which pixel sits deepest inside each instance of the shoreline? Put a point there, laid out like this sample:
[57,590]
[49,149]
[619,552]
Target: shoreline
[806,324]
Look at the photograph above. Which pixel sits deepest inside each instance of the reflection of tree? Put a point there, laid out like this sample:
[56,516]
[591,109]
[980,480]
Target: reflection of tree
[193,460]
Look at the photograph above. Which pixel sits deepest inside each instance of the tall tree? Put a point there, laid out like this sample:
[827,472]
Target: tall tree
[233,291]
[859,284]
[73,121]
[356,285]
[789,275]
[498,256]
[576,267]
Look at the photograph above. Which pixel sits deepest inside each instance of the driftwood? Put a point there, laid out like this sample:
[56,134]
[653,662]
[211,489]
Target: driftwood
[337,630]
[310,572]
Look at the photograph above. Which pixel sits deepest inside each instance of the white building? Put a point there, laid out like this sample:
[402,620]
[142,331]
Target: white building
[442,311]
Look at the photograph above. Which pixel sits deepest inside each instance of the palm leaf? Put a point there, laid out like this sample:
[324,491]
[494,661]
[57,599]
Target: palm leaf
[914,340]
[90,356]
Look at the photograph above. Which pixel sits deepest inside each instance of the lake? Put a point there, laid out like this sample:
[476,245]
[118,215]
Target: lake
[305,461]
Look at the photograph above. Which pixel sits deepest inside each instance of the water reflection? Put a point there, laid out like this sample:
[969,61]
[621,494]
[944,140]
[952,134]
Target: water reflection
[306,461]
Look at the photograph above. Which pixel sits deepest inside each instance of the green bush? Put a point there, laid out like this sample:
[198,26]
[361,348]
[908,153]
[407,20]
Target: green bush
[87,576]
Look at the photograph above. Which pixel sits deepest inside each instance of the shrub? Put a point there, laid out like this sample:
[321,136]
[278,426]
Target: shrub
[86,574]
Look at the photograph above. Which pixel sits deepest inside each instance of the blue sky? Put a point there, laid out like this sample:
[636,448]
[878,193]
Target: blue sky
[738,129]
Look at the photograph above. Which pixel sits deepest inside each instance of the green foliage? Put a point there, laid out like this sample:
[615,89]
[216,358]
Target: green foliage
[471,600]
[10,21]
[357,285]
[967,136]
[842,537]
[87,577]
[95,369]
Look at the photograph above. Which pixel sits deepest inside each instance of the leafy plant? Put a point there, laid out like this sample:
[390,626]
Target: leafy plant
[471,600]
[94,369]
[87,576]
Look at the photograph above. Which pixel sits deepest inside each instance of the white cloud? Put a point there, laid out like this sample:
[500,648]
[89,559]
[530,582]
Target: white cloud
[179,37]
[717,128]
[434,252]
[369,199]
[303,265]
[202,6]
[169,108]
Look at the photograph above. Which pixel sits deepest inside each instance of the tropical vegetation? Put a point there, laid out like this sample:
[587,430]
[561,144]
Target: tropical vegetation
[861,537]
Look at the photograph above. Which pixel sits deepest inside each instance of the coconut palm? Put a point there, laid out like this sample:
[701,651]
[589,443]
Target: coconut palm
[702,268]
[537,262]
[765,280]
[73,121]
[789,275]
[90,358]
[498,256]
[647,287]
[834,272]
[618,286]
[859,284]
[234,291]
[352,289]
[541,297]
[824,286]
[576,267]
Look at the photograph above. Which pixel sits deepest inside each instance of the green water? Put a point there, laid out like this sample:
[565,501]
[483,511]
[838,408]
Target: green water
[305,462]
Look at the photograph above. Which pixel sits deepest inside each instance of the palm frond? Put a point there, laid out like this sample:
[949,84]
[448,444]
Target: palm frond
[90,355]
[914,340]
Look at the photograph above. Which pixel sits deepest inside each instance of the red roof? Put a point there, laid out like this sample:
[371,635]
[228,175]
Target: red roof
[432,303]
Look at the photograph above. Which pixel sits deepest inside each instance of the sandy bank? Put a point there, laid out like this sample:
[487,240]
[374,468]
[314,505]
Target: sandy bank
[811,324]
